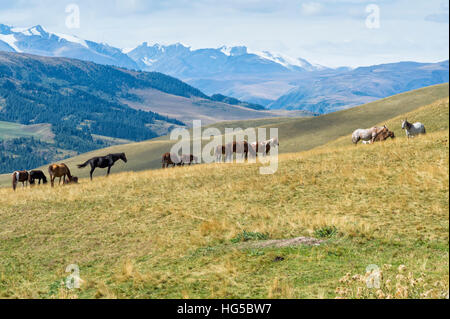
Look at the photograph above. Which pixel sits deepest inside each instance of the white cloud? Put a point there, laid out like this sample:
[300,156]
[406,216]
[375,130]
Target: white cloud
[328,32]
[311,8]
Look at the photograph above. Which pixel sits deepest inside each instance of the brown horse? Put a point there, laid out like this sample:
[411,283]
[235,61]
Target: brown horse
[61,171]
[170,159]
[20,177]
[383,136]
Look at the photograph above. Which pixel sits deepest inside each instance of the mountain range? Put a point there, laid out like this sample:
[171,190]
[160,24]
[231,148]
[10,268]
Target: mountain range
[270,79]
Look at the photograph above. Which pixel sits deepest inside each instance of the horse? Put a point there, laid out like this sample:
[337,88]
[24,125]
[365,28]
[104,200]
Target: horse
[107,161]
[224,151]
[231,148]
[170,159]
[188,159]
[264,146]
[367,134]
[383,136]
[413,129]
[20,177]
[61,171]
[37,175]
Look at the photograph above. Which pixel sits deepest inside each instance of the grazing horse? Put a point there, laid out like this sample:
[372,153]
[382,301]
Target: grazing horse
[413,129]
[221,151]
[61,171]
[107,161]
[188,159]
[37,175]
[237,148]
[382,137]
[170,159]
[20,177]
[264,146]
[367,134]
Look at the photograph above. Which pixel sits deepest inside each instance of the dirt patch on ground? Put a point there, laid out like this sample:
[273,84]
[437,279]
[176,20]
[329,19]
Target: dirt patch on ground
[278,243]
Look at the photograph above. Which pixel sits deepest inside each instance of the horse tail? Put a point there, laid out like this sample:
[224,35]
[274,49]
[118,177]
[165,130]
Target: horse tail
[84,164]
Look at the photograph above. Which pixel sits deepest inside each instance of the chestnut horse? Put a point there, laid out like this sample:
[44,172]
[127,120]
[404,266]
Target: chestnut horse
[383,136]
[20,177]
[61,171]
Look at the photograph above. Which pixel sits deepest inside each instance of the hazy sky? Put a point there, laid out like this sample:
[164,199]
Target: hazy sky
[328,32]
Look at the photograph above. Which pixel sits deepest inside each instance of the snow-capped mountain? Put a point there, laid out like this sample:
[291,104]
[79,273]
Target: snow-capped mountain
[37,40]
[271,79]
[182,61]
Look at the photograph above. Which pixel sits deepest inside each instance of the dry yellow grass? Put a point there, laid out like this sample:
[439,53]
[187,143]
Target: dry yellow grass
[160,234]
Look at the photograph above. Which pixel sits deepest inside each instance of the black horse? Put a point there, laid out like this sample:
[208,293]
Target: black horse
[104,162]
[37,175]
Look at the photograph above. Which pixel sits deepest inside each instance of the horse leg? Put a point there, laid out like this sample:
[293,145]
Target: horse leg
[92,172]
[109,169]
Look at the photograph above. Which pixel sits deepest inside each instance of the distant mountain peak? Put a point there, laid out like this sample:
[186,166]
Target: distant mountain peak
[37,40]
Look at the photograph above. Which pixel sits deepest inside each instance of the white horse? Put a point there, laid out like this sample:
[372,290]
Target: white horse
[367,135]
[413,129]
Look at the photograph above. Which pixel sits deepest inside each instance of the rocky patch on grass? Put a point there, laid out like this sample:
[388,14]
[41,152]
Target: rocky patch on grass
[279,243]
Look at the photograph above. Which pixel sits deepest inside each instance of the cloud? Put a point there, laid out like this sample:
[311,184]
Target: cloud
[438,17]
[311,8]
[441,17]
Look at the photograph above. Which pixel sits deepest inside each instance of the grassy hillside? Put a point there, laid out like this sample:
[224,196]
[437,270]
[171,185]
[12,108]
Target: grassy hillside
[10,130]
[296,134]
[179,233]
[434,116]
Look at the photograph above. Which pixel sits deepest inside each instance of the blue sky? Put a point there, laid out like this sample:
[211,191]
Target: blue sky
[329,32]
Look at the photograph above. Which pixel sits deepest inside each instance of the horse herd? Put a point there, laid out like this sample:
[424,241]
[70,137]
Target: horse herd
[377,134]
[226,151]
[61,171]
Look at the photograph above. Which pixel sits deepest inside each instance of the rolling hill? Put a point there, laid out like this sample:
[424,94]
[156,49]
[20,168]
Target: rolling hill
[86,106]
[296,134]
[208,231]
